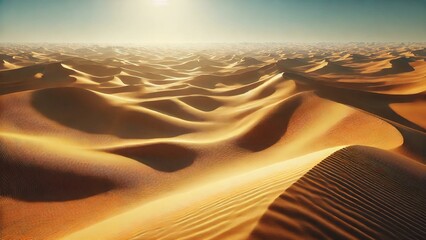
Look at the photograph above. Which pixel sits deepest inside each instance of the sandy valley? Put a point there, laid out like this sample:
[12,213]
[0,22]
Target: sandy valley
[235,141]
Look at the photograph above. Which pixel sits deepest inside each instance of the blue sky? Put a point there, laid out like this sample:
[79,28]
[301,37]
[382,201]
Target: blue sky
[152,21]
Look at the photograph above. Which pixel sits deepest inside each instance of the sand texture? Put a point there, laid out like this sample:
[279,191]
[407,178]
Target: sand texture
[244,141]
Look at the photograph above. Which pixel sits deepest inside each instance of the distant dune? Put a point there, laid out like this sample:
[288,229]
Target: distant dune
[230,142]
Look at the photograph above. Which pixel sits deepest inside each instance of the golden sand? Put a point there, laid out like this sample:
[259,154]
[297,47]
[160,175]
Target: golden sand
[102,142]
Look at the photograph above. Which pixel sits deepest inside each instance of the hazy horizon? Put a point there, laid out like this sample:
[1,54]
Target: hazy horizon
[205,21]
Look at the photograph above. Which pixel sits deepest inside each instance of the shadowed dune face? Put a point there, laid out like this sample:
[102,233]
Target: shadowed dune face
[215,81]
[162,157]
[408,110]
[420,52]
[399,65]
[356,193]
[130,80]
[288,123]
[271,129]
[291,63]
[329,67]
[86,111]
[32,183]
[249,61]
[58,184]
[34,77]
[144,142]
[202,103]
[50,71]
[349,96]
[7,57]
[172,108]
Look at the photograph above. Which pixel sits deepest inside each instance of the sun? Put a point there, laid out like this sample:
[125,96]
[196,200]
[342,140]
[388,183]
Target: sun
[161,2]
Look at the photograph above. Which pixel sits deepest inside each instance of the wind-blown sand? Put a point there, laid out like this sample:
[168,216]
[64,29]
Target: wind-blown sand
[213,142]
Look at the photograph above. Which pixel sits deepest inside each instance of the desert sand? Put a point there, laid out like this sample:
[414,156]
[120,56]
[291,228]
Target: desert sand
[243,141]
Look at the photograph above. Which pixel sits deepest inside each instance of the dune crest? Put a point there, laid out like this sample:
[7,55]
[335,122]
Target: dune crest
[340,198]
[199,142]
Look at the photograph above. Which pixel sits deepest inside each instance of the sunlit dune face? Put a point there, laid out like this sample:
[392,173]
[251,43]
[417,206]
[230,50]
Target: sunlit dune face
[160,2]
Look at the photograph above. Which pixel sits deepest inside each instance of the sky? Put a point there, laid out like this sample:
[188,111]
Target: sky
[212,21]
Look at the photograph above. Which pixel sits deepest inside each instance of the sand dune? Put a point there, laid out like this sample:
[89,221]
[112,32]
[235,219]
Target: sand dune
[177,108]
[420,52]
[409,111]
[68,105]
[330,67]
[98,70]
[211,81]
[399,65]
[202,103]
[356,193]
[162,157]
[34,77]
[249,61]
[292,62]
[58,183]
[111,142]
[282,126]
[215,211]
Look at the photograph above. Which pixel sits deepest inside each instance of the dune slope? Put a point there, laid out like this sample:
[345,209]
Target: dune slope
[196,142]
[356,193]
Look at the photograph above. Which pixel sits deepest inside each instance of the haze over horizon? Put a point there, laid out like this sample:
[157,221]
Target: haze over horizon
[205,21]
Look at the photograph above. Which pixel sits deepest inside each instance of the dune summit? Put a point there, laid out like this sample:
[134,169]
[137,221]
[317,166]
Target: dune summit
[213,142]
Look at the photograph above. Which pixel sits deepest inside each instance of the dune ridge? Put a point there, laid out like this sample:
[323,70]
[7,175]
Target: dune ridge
[346,195]
[144,142]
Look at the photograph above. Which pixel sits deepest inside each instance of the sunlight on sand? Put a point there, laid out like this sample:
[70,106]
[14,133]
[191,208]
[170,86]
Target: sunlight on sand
[223,141]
